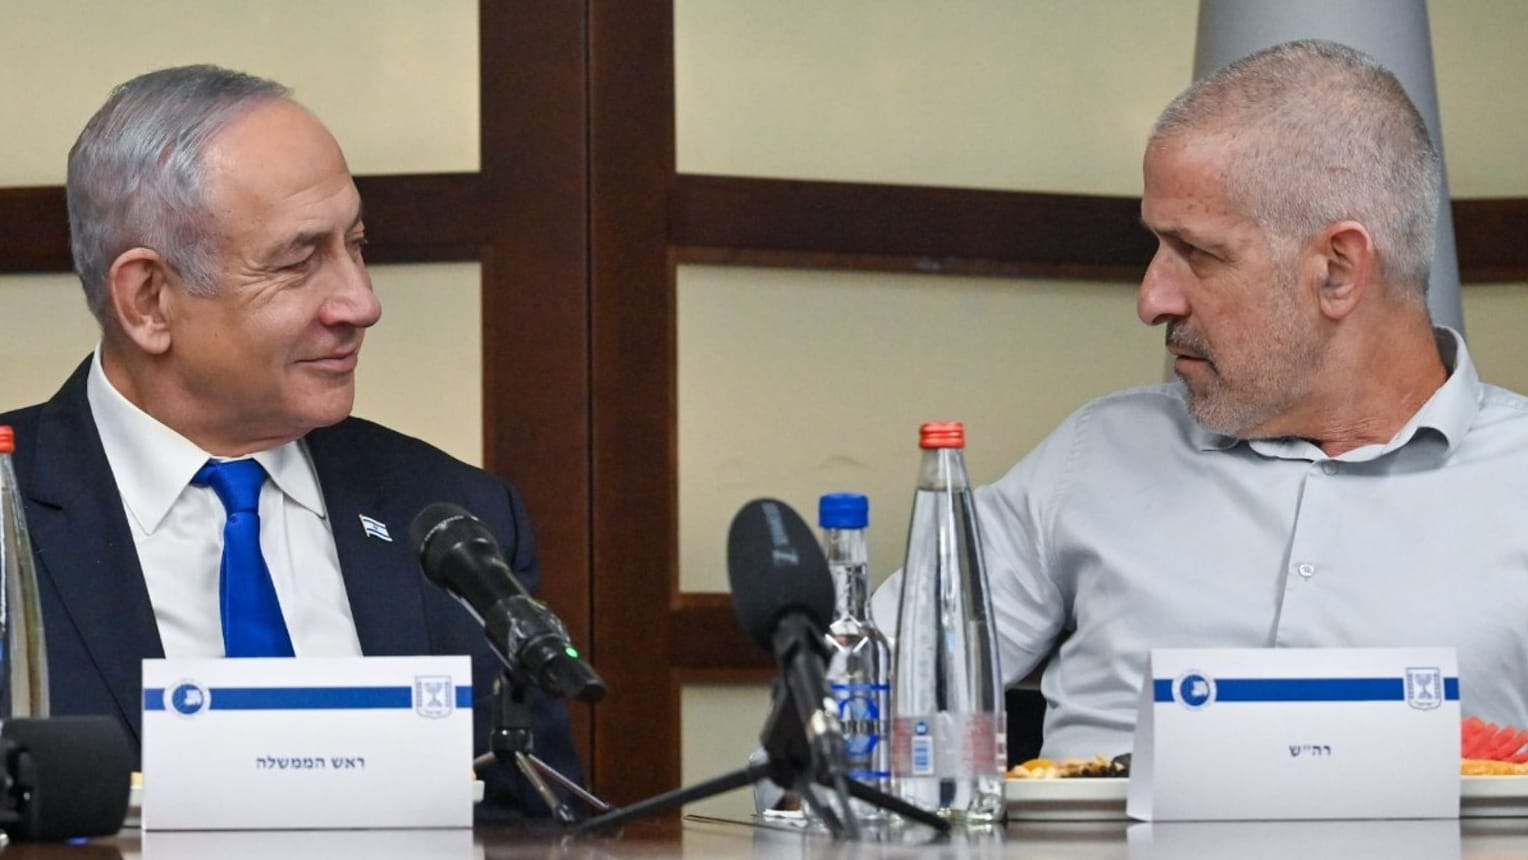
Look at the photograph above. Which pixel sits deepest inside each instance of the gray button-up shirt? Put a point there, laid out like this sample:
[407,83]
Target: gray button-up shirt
[1131,527]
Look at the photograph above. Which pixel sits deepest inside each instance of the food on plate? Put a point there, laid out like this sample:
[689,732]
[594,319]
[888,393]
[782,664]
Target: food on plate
[1490,742]
[1070,768]
[1486,749]
[1487,767]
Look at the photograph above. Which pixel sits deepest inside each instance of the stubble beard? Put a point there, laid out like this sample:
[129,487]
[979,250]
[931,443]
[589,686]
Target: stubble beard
[1270,376]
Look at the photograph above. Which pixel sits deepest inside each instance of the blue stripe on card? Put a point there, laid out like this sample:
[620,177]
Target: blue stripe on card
[305,698]
[1306,689]
[308,698]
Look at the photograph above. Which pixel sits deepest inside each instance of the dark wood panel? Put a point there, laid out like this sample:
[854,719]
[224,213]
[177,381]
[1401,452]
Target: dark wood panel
[934,228]
[1492,239]
[423,217]
[704,634]
[631,127]
[535,301]
[34,230]
[810,225]
[728,675]
[824,225]
[410,218]
[905,264]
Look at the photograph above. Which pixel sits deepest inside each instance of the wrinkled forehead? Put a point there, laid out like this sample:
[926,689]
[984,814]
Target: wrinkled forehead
[278,142]
[277,174]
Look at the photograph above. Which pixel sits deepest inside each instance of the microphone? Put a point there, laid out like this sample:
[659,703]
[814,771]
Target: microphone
[784,597]
[64,777]
[459,554]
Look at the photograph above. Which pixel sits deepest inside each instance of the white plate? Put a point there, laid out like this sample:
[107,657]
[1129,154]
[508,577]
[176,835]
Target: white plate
[1074,799]
[1493,796]
[1103,799]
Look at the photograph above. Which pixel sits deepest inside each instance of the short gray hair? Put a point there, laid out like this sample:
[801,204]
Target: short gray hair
[1323,133]
[136,173]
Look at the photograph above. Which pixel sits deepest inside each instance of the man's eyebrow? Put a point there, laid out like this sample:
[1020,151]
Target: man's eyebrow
[1179,234]
[314,238]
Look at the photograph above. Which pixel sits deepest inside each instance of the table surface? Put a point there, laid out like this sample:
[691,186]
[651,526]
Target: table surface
[721,840]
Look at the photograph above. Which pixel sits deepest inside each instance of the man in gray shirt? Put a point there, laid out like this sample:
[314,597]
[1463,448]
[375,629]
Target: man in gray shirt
[1328,471]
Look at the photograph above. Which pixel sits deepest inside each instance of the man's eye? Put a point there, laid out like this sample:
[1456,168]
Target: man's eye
[1193,253]
[300,265]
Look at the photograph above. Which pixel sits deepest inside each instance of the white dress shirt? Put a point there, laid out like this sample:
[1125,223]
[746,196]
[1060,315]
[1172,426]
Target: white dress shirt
[1132,527]
[178,531]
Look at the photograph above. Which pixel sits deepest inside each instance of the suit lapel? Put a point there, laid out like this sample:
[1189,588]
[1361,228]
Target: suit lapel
[382,578]
[85,548]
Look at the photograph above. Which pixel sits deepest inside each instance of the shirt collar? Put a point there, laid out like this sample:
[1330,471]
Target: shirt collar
[1449,411]
[152,464]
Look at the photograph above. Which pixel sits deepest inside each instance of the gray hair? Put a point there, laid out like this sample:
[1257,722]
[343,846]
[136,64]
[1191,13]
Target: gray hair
[136,173]
[1323,133]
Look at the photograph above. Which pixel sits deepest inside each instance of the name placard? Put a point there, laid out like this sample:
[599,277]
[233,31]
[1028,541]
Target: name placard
[1259,734]
[307,743]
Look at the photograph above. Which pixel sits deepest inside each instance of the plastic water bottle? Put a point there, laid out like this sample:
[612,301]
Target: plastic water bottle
[859,669]
[23,654]
[948,733]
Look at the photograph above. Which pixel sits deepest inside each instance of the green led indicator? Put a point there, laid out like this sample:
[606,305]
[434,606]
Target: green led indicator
[571,652]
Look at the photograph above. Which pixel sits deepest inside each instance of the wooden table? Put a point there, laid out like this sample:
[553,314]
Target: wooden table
[714,839]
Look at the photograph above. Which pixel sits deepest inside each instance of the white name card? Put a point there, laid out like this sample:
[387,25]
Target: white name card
[307,743]
[1297,734]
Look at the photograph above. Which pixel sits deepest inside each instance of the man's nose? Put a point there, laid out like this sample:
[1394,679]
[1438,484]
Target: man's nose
[1161,294]
[354,302]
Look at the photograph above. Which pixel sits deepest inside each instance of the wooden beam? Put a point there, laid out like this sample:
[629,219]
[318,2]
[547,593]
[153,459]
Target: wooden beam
[1490,235]
[535,293]
[410,218]
[34,230]
[437,217]
[631,133]
[704,635]
[918,228]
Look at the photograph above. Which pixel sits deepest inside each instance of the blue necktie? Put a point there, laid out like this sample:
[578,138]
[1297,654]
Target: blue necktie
[252,622]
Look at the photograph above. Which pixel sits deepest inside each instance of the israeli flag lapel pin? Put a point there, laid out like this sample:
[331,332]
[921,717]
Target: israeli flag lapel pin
[375,528]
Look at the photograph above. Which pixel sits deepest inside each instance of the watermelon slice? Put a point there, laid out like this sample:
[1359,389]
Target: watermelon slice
[1482,740]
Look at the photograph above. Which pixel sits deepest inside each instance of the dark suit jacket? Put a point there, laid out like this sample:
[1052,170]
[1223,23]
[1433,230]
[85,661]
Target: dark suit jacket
[96,611]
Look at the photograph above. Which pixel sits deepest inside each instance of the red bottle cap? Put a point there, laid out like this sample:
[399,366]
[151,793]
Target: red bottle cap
[942,434]
[7,440]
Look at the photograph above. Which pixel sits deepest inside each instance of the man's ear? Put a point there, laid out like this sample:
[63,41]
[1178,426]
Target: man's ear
[138,293]
[1345,264]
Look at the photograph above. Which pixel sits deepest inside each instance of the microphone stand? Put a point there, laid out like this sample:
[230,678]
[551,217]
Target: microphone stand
[791,763]
[512,741]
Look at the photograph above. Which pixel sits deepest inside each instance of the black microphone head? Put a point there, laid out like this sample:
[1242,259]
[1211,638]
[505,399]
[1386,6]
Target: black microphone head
[439,529]
[77,778]
[775,567]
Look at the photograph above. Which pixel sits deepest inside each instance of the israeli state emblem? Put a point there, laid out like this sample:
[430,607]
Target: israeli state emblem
[1424,688]
[433,696]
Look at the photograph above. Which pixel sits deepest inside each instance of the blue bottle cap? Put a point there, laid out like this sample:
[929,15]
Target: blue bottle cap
[843,511]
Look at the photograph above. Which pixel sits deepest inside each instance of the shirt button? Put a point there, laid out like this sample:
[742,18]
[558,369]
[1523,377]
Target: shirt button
[1305,569]
[1329,467]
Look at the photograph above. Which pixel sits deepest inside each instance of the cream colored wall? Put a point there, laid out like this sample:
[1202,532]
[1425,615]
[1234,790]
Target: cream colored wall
[989,93]
[792,383]
[1481,70]
[395,80]
[1034,96]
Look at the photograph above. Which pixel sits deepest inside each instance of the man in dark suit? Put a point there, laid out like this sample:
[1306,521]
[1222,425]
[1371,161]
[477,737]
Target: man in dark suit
[217,234]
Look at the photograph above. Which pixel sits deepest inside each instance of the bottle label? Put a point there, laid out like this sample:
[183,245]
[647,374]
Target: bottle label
[860,713]
[945,745]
